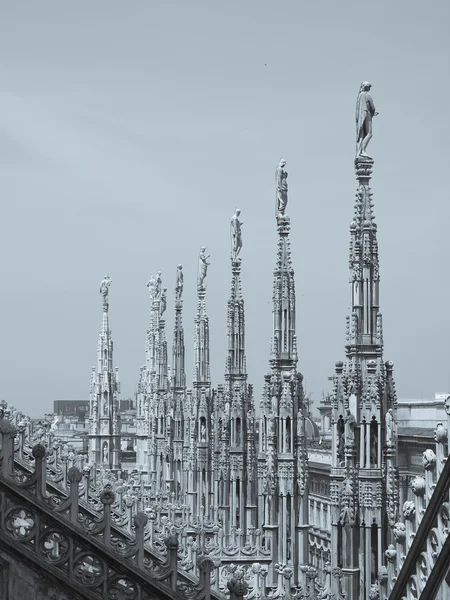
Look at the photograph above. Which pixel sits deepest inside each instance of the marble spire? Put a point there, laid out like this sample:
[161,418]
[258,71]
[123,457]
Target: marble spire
[282,455]
[104,417]
[364,486]
[178,348]
[202,375]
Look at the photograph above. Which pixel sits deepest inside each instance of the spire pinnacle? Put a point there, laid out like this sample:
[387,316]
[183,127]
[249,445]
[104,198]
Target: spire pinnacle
[178,350]
[236,364]
[202,377]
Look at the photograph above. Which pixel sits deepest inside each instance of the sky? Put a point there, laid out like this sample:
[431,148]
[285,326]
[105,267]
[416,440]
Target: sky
[130,131]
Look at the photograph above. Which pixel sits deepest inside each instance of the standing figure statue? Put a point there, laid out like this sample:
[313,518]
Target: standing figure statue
[158,284]
[202,266]
[282,188]
[350,423]
[104,289]
[151,287]
[365,110]
[390,427]
[163,304]
[236,234]
[179,284]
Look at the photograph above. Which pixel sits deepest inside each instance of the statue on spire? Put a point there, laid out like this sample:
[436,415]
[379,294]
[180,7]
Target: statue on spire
[236,234]
[365,110]
[163,304]
[151,287]
[202,266]
[179,284]
[104,290]
[282,188]
[158,284]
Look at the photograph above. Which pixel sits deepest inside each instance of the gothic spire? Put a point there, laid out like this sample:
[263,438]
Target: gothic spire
[284,342]
[202,377]
[365,329]
[236,364]
[104,418]
[179,375]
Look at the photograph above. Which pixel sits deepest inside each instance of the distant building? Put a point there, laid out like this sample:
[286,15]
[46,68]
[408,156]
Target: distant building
[72,408]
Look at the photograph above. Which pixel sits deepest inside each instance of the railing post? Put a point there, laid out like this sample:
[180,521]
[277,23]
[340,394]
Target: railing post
[140,522]
[21,429]
[107,498]
[171,542]
[8,433]
[205,566]
[74,477]
[39,453]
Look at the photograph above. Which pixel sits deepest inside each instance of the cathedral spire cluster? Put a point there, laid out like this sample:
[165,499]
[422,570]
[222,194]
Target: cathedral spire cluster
[246,470]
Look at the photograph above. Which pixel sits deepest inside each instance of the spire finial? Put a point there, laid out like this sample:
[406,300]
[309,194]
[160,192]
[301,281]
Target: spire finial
[236,235]
[202,267]
[104,290]
[282,188]
[365,111]
[179,284]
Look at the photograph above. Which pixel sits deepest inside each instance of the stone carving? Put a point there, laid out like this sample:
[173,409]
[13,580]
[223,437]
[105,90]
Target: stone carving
[418,486]
[179,284]
[391,553]
[440,434]
[390,427]
[236,234]
[203,265]
[151,287]
[282,188]
[429,460]
[163,304]
[350,423]
[365,111]
[399,532]
[104,290]
[409,509]
[158,284]
[447,405]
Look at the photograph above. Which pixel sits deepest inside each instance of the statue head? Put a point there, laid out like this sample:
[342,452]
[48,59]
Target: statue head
[238,212]
[179,267]
[365,86]
[202,249]
[282,163]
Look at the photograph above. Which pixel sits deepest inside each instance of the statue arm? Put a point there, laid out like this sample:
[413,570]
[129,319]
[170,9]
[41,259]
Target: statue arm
[371,105]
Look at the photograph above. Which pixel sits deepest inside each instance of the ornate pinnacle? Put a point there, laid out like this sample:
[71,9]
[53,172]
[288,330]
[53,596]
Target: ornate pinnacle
[104,290]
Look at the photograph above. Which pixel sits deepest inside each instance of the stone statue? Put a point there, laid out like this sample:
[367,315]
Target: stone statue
[282,188]
[158,284]
[104,289]
[163,304]
[365,111]
[179,284]
[236,234]
[390,427]
[349,427]
[151,287]
[105,453]
[202,266]
[203,433]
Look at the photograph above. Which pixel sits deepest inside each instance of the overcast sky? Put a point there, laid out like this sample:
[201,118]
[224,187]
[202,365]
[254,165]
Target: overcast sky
[131,130]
